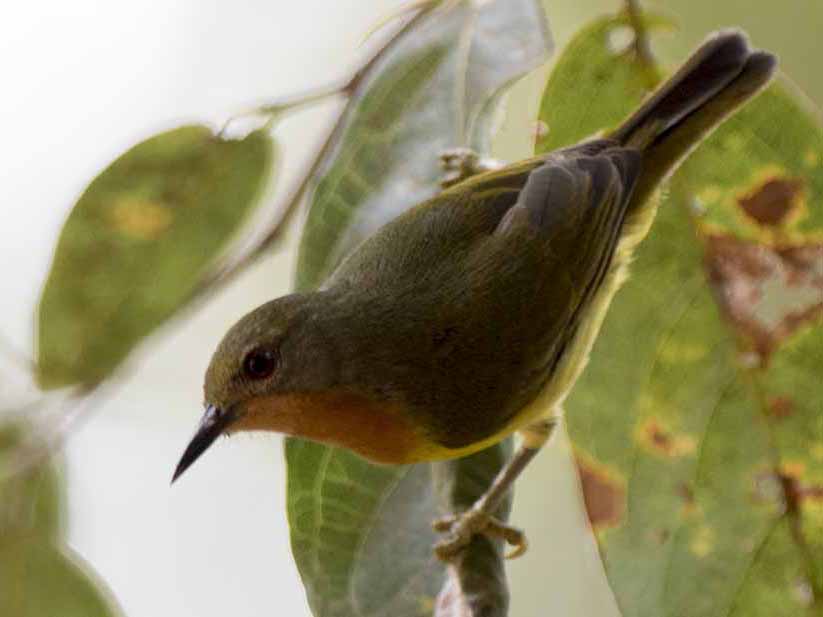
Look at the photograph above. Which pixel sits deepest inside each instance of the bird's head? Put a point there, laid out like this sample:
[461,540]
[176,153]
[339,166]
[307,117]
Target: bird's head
[261,371]
[292,366]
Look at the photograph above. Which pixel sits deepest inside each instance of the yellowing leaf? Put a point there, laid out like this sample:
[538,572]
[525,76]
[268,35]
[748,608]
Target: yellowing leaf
[136,244]
[710,433]
[757,177]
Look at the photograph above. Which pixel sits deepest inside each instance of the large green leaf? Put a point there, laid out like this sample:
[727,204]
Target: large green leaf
[697,424]
[361,534]
[136,244]
[592,85]
[38,576]
[430,93]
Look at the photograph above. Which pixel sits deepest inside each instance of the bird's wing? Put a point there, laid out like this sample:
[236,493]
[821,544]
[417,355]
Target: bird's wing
[484,285]
[574,204]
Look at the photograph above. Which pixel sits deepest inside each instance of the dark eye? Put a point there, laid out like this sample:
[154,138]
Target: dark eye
[259,363]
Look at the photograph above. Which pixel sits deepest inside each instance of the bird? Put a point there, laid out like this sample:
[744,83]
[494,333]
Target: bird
[469,317]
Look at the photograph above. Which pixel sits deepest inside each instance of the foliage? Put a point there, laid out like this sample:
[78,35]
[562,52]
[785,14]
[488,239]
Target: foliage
[39,576]
[700,458]
[361,534]
[136,243]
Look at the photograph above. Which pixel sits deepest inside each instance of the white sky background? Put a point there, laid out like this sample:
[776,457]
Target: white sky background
[83,80]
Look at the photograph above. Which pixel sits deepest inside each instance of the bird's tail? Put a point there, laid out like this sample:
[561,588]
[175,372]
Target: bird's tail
[718,78]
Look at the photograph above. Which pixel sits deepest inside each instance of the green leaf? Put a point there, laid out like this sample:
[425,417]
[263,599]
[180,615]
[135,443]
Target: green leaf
[38,580]
[432,92]
[361,534]
[38,577]
[697,421]
[593,86]
[29,497]
[136,244]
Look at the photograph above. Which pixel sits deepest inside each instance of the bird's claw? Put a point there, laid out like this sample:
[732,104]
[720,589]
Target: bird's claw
[458,164]
[461,528]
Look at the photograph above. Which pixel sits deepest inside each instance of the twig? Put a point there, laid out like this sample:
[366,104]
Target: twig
[294,102]
[401,11]
[49,440]
[641,44]
[16,355]
[224,274]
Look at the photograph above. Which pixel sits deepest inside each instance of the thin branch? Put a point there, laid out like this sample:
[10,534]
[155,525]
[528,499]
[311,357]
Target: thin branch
[400,12]
[50,438]
[291,103]
[224,274]
[642,46]
[16,355]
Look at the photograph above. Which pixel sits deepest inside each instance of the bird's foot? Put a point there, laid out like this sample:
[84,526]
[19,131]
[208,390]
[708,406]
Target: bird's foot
[458,164]
[461,528]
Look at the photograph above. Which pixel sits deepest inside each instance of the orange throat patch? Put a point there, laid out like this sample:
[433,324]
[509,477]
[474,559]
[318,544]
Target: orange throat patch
[379,432]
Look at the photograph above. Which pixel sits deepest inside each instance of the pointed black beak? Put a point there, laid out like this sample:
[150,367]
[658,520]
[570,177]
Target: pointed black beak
[214,422]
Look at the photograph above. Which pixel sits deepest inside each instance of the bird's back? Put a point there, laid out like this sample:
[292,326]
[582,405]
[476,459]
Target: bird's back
[479,299]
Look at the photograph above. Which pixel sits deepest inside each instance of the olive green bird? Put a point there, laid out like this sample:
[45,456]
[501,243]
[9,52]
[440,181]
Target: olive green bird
[471,316]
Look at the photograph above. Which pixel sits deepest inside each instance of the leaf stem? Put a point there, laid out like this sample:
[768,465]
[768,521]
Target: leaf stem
[292,103]
[641,44]
[49,439]
[16,355]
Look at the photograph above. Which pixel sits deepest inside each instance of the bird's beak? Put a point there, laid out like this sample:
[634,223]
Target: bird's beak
[214,422]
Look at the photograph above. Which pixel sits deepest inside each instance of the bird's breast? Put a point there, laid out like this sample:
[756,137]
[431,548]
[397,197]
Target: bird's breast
[379,431]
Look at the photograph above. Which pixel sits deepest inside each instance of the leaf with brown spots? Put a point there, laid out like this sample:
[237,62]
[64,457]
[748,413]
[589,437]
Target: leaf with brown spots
[773,202]
[703,389]
[761,173]
[663,442]
[136,244]
[780,406]
[603,496]
[766,293]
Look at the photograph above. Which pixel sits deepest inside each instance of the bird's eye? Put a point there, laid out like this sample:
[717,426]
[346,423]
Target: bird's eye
[259,363]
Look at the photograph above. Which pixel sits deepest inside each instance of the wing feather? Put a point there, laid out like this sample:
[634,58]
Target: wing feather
[577,200]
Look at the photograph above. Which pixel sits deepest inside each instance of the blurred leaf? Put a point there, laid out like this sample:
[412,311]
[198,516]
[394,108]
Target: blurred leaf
[30,500]
[361,534]
[701,457]
[38,580]
[137,242]
[432,92]
[37,577]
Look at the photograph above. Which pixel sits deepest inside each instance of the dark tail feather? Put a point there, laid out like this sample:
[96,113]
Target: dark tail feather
[715,63]
[718,78]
